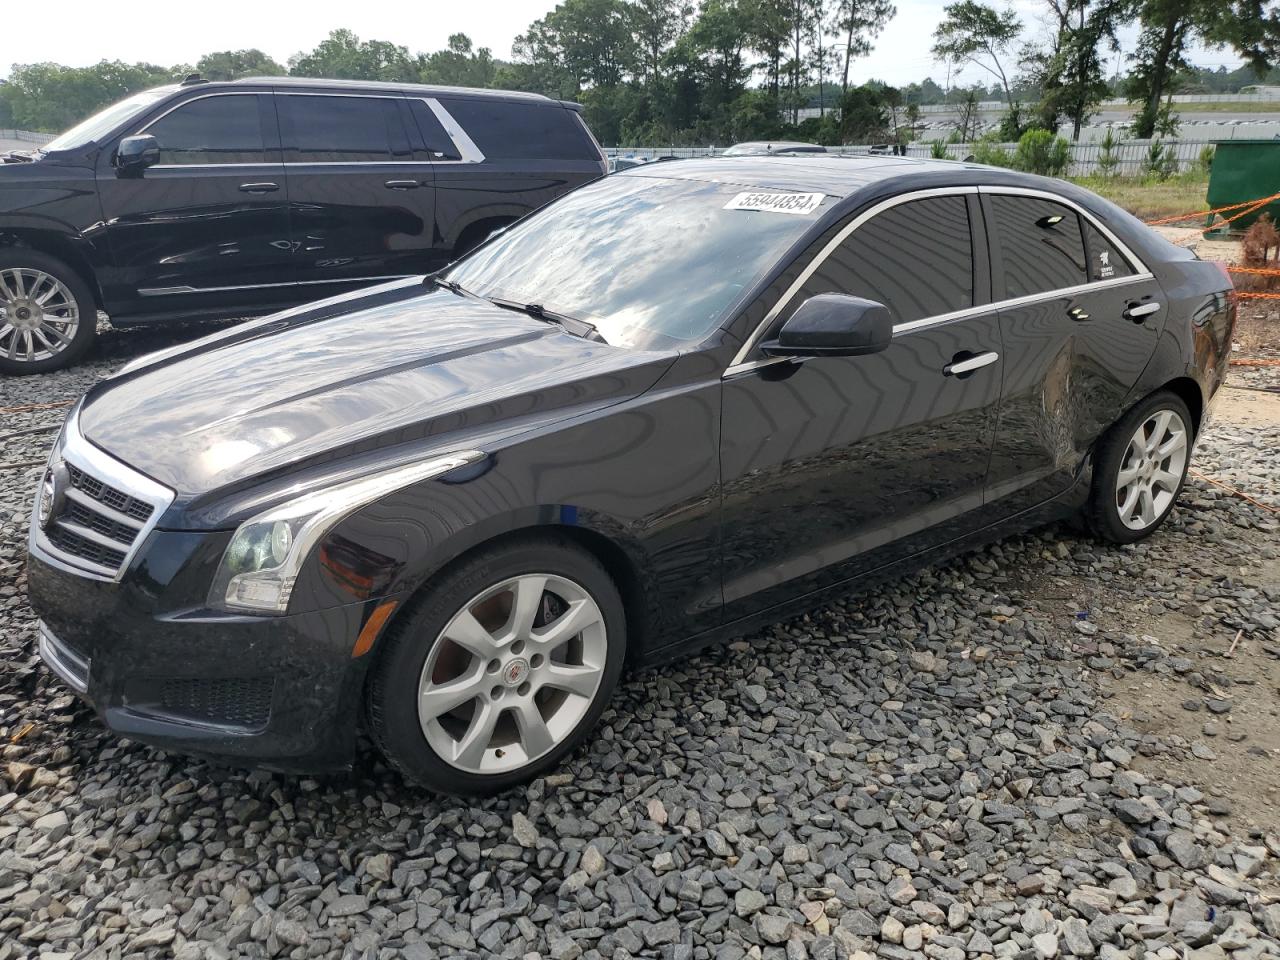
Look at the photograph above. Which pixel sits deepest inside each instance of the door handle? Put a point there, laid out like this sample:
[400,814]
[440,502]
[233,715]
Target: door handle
[1078,313]
[259,187]
[968,364]
[1138,311]
[401,184]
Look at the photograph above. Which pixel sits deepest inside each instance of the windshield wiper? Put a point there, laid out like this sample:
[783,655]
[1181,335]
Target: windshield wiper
[451,285]
[575,326]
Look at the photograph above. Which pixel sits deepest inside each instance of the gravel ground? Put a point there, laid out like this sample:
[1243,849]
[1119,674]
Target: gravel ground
[960,765]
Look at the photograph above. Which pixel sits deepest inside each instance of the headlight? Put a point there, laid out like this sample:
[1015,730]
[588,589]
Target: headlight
[262,561]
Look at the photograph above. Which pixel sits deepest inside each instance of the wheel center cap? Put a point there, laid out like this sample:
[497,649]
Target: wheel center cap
[516,672]
[25,316]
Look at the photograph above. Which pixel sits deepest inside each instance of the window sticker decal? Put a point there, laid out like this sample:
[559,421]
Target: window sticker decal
[1105,268]
[798,204]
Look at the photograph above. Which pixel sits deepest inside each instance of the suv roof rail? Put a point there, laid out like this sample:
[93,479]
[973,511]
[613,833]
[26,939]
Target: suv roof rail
[191,79]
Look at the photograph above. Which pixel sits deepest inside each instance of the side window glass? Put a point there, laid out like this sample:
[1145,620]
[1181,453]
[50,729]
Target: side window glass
[521,130]
[1105,261]
[439,145]
[1041,248]
[225,129]
[323,129]
[915,258]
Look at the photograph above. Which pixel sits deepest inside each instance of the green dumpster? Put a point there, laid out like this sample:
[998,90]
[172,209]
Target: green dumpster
[1243,170]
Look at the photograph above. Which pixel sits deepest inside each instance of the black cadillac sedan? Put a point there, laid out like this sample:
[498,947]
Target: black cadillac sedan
[668,407]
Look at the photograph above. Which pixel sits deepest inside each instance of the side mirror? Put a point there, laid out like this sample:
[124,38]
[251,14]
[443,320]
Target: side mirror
[135,154]
[833,325]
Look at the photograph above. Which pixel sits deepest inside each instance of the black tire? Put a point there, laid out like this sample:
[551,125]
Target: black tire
[87,313]
[402,655]
[1103,511]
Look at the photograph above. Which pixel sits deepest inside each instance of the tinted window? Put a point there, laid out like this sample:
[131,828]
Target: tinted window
[224,129]
[1105,261]
[510,130]
[1040,245]
[317,129]
[915,258]
[438,143]
[647,260]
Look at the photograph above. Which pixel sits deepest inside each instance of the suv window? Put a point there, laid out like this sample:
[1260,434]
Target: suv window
[513,130]
[1105,261]
[218,129]
[1040,244]
[439,145]
[340,129]
[915,258]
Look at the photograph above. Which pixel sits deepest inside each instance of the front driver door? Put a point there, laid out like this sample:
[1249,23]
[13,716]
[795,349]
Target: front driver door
[207,228]
[835,466]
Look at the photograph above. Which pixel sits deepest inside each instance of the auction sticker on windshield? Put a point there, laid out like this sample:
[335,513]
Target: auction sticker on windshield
[801,204]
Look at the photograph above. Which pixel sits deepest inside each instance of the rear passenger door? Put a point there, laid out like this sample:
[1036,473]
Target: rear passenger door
[360,200]
[1080,318]
[517,154]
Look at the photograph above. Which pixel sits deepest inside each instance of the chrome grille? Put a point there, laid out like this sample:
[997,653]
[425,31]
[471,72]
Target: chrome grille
[98,511]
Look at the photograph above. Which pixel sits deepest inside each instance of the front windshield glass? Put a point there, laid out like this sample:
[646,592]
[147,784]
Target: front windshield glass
[647,260]
[104,121]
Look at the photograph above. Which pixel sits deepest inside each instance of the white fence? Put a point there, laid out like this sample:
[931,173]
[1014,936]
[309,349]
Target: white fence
[26,136]
[1131,155]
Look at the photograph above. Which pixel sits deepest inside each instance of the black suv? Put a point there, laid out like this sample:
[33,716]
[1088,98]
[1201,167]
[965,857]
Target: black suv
[233,199]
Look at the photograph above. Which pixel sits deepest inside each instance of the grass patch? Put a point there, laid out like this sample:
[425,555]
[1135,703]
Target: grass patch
[1151,199]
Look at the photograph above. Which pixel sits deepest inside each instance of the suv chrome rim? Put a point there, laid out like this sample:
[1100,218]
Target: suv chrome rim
[1151,469]
[512,674]
[38,315]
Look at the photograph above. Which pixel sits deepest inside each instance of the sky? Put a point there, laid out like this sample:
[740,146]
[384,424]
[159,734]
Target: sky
[181,33]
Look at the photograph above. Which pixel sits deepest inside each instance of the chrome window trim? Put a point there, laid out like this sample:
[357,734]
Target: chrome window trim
[740,364]
[78,451]
[171,291]
[468,152]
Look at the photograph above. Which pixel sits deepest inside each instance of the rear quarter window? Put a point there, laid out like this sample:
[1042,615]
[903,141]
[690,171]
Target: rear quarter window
[512,130]
[1040,245]
[1105,261]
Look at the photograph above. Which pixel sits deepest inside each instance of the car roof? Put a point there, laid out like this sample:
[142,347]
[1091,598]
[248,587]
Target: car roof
[376,86]
[843,176]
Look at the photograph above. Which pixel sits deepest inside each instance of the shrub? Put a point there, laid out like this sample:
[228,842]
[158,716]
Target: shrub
[1205,160]
[938,151]
[1108,159]
[1040,151]
[1160,161]
[989,151]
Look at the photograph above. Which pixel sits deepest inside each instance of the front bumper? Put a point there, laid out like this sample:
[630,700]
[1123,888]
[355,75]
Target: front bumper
[279,692]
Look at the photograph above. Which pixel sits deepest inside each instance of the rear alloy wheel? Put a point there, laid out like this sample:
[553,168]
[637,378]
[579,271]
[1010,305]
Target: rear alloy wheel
[47,315]
[512,678]
[1141,467]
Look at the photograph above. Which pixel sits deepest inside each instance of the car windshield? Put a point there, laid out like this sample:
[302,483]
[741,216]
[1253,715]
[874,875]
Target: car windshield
[648,261]
[106,120]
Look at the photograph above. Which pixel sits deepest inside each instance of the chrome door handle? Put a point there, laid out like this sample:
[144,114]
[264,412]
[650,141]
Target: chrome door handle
[958,368]
[1136,311]
[1078,313]
[259,187]
[401,184]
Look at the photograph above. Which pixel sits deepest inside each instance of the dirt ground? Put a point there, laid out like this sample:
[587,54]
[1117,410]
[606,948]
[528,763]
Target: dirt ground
[1245,738]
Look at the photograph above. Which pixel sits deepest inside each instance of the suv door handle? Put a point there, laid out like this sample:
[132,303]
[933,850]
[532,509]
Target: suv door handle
[961,364]
[401,184]
[259,187]
[1138,311]
[1078,313]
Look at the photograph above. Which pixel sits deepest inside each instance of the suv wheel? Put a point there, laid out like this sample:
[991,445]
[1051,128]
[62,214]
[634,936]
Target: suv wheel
[500,669]
[48,318]
[1141,466]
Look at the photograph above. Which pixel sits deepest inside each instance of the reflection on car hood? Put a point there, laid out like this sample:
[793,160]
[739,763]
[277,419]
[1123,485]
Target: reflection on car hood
[320,390]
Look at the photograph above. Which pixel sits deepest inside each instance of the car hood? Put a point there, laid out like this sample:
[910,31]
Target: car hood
[300,391]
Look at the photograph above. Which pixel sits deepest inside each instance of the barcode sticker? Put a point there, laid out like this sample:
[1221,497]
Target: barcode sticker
[800,204]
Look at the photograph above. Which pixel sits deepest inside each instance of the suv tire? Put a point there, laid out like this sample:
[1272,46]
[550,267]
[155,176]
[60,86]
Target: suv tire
[49,316]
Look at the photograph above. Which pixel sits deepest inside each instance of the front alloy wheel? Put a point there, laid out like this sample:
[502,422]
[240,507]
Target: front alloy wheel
[499,668]
[47,316]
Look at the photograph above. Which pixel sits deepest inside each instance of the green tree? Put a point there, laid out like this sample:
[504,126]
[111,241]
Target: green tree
[234,64]
[864,117]
[460,65]
[50,97]
[1251,28]
[858,22]
[1043,152]
[972,32]
[589,43]
[344,56]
